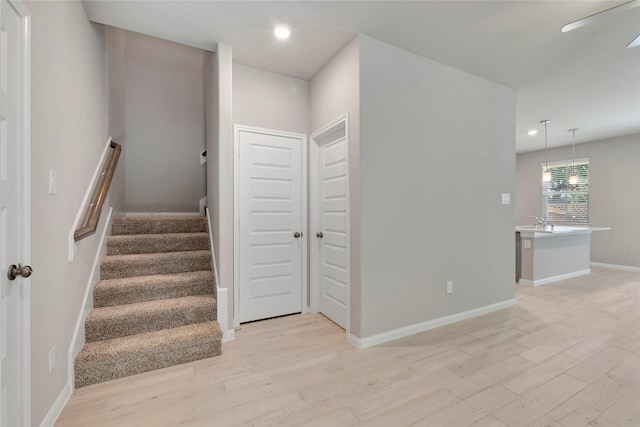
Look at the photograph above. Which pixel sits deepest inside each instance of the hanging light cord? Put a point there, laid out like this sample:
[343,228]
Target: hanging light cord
[573,151]
[573,173]
[546,160]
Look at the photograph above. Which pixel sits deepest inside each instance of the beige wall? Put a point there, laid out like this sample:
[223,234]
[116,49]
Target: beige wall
[414,125]
[115,39]
[68,134]
[270,100]
[437,149]
[614,194]
[165,125]
[335,91]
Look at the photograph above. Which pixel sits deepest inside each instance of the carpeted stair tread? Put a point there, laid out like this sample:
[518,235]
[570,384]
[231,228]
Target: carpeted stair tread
[104,323]
[158,225]
[156,243]
[119,266]
[131,290]
[155,304]
[115,358]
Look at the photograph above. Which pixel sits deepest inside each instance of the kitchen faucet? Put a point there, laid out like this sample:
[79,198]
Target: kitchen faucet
[538,221]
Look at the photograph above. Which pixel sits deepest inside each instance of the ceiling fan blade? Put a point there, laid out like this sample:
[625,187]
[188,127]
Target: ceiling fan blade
[634,43]
[596,16]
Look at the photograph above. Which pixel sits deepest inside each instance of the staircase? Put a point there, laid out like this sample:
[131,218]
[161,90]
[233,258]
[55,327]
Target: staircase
[155,304]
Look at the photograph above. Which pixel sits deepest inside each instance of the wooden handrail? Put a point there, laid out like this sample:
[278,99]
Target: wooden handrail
[92,215]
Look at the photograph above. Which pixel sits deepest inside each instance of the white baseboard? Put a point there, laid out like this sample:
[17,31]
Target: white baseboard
[552,279]
[222,294]
[228,335]
[57,407]
[77,341]
[362,343]
[202,206]
[616,266]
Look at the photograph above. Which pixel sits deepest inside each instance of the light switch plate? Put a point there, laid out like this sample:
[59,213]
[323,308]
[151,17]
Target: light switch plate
[527,243]
[52,182]
[506,198]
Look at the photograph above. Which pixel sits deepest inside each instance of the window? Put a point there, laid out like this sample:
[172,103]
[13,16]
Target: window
[561,201]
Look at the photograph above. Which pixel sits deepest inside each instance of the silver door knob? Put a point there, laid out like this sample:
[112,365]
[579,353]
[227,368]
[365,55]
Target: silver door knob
[319,235]
[15,271]
[297,234]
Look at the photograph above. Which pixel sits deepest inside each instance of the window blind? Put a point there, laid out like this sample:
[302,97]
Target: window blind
[561,201]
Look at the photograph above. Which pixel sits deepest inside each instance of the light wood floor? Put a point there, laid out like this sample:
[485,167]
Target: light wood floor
[567,355]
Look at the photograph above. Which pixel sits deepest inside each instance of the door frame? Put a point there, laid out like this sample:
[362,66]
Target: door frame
[304,306]
[314,291]
[25,208]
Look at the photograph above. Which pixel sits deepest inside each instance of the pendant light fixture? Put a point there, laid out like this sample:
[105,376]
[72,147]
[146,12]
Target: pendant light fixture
[573,179]
[546,175]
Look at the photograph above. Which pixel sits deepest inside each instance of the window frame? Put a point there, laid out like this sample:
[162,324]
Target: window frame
[565,190]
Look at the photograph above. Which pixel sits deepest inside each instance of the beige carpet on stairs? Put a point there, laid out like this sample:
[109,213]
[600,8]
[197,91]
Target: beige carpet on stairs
[155,304]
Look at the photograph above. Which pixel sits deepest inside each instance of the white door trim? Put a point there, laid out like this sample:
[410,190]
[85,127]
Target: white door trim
[236,216]
[25,202]
[314,291]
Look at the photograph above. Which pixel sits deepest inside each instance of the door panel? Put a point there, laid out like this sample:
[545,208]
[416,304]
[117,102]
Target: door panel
[333,252]
[270,257]
[13,199]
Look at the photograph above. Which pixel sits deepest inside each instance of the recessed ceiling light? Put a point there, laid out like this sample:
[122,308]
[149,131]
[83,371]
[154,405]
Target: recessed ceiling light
[282,32]
[532,132]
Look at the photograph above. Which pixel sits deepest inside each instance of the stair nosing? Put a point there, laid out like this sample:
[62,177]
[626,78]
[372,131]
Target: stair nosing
[142,306]
[160,254]
[135,339]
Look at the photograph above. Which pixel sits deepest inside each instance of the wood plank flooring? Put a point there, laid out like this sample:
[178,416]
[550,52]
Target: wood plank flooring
[567,355]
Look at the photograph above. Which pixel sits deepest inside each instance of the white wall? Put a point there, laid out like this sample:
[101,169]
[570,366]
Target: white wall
[68,134]
[334,91]
[437,149]
[165,125]
[614,194]
[270,100]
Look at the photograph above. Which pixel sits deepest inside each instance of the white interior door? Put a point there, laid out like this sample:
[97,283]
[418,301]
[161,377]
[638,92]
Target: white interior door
[270,231]
[331,222]
[14,294]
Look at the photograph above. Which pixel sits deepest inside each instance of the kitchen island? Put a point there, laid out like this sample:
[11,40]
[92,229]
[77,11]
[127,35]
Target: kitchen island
[546,254]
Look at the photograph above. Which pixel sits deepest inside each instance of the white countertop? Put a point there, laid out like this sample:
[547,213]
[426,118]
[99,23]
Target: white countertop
[556,230]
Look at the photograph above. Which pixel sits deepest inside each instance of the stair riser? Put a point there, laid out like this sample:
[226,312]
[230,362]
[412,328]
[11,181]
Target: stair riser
[110,269]
[158,226]
[118,367]
[153,291]
[140,322]
[124,245]
[155,305]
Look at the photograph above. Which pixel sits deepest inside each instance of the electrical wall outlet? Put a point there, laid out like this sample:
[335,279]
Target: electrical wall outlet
[52,359]
[449,286]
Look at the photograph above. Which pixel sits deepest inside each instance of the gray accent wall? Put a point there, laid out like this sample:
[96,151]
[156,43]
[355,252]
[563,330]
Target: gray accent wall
[68,135]
[614,194]
[165,125]
[437,149]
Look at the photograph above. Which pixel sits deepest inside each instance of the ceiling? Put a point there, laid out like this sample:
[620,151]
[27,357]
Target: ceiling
[583,79]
